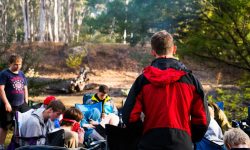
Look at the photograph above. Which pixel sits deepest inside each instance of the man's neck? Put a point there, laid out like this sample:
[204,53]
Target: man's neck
[15,72]
[45,115]
[165,56]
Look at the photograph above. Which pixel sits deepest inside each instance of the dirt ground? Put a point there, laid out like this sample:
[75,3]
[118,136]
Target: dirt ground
[116,80]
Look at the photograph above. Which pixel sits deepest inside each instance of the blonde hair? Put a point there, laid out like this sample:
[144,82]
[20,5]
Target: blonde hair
[235,136]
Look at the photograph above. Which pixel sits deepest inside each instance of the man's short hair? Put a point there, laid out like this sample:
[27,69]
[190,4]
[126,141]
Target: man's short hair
[104,89]
[14,57]
[56,105]
[235,136]
[161,42]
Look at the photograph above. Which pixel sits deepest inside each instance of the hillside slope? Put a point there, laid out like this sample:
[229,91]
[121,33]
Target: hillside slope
[117,66]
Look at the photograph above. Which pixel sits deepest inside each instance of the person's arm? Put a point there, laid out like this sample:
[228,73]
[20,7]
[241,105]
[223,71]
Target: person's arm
[26,99]
[200,117]
[31,130]
[26,95]
[4,99]
[115,110]
[132,108]
[80,135]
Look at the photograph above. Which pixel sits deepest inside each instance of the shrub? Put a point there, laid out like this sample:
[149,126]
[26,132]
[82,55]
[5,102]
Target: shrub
[75,60]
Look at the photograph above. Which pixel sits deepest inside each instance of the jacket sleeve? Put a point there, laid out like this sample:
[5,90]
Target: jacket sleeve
[200,117]
[131,102]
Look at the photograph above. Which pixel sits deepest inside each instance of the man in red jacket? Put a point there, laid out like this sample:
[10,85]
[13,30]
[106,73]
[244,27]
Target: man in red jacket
[171,99]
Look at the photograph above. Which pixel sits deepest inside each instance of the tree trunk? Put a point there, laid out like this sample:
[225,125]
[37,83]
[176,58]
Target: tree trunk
[79,23]
[31,23]
[56,12]
[61,21]
[24,6]
[68,21]
[72,27]
[4,20]
[59,10]
[42,20]
[49,16]
[50,30]
[5,27]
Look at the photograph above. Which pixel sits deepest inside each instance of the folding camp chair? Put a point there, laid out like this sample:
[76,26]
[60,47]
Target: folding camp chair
[86,97]
[18,140]
[91,112]
[19,118]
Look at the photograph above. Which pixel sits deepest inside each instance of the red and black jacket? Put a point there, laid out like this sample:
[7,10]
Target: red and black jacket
[173,103]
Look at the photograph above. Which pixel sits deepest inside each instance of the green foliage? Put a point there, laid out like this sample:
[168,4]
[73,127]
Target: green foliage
[74,60]
[233,103]
[141,18]
[222,32]
[236,100]
[216,29]
[89,35]
[3,65]
[20,35]
[108,20]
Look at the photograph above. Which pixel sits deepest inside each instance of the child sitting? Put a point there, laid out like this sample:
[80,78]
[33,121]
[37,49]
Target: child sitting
[74,135]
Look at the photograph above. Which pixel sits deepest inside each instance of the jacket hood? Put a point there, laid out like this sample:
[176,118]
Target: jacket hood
[39,115]
[160,77]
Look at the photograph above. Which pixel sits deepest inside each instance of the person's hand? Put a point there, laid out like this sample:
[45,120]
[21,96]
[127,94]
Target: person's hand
[92,122]
[81,135]
[88,126]
[103,115]
[8,107]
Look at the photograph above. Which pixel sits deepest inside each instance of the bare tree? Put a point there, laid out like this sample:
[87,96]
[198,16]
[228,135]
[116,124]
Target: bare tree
[42,21]
[49,19]
[56,21]
[26,22]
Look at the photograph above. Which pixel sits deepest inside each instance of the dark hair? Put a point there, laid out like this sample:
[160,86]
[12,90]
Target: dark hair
[161,42]
[56,105]
[14,57]
[73,114]
[104,89]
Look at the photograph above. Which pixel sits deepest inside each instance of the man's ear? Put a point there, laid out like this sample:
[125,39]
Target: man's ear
[50,110]
[174,49]
[153,52]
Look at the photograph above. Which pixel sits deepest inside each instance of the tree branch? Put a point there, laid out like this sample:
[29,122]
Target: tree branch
[223,61]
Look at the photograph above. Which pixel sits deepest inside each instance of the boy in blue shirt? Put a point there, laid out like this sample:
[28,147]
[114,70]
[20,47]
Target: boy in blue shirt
[13,94]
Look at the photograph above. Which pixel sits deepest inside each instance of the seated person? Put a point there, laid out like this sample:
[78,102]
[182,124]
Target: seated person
[109,111]
[45,104]
[236,138]
[220,117]
[40,123]
[214,132]
[74,134]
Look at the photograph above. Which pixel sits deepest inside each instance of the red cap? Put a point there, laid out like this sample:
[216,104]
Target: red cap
[48,99]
